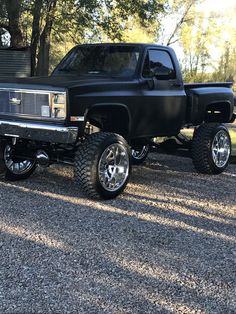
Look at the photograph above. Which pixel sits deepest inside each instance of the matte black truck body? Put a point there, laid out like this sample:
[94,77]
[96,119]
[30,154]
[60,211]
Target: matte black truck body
[134,90]
[135,107]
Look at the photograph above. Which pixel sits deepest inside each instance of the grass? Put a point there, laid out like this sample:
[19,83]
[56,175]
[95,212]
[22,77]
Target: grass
[233,140]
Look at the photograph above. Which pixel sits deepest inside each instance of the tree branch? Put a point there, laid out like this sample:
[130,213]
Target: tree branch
[173,41]
[181,21]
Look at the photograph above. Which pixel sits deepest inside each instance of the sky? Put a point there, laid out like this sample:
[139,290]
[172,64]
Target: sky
[217,6]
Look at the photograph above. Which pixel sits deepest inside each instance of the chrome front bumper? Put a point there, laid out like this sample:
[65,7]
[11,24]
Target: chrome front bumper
[38,132]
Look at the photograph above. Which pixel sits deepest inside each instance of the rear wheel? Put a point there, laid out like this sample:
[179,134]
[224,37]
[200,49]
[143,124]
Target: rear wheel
[102,165]
[139,154]
[16,168]
[211,148]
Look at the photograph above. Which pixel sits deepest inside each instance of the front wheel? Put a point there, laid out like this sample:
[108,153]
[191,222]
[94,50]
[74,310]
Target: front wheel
[16,168]
[103,165]
[211,148]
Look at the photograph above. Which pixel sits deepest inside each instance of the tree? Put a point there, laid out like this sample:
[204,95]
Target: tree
[101,20]
[185,16]
[14,14]
[74,21]
[35,36]
[44,48]
[226,70]
[176,14]
[117,17]
[196,39]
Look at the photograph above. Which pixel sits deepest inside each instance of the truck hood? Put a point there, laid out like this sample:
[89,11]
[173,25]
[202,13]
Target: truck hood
[56,82]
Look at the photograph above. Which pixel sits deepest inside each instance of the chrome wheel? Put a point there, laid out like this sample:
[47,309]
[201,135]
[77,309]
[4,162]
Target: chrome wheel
[221,149]
[113,167]
[140,153]
[15,166]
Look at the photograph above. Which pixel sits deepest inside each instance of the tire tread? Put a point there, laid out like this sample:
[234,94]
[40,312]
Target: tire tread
[84,176]
[201,146]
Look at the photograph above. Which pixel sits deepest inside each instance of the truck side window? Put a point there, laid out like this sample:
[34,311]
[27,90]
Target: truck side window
[159,61]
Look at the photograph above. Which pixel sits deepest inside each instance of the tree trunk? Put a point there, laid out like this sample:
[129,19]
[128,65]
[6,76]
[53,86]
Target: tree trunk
[14,16]
[44,49]
[35,34]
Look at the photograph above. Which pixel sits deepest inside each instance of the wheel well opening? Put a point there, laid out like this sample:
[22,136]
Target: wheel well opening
[217,112]
[110,119]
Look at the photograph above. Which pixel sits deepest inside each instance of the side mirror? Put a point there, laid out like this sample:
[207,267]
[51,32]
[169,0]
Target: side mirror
[162,73]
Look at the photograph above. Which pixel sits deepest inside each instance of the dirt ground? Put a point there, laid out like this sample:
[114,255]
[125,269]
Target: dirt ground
[167,245]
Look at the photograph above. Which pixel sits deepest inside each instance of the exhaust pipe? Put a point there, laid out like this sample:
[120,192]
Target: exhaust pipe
[42,158]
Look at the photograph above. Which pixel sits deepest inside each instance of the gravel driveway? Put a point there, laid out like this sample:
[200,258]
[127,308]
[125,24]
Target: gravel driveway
[167,245]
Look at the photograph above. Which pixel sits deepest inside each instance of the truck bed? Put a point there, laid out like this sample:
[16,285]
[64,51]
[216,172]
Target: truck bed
[210,102]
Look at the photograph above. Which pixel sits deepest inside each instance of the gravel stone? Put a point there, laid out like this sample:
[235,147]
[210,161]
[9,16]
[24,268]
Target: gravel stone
[166,245]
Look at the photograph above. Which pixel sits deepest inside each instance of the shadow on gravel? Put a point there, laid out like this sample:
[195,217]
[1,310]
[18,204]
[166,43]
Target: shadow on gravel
[167,245]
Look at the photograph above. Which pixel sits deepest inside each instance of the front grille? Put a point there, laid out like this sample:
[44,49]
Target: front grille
[16,102]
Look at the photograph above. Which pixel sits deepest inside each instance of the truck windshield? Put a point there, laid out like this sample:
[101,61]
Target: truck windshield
[115,61]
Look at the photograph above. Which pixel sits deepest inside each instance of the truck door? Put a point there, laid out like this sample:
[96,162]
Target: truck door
[162,105]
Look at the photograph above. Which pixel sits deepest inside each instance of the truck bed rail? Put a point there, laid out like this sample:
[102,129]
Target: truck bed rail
[210,84]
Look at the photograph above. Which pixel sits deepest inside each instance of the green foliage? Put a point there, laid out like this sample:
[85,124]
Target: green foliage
[101,20]
[197,32]
[78,21]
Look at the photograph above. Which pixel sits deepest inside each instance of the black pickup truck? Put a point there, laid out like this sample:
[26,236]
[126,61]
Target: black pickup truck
[99,110]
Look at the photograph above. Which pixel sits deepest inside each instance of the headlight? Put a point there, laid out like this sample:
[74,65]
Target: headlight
[58,108]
